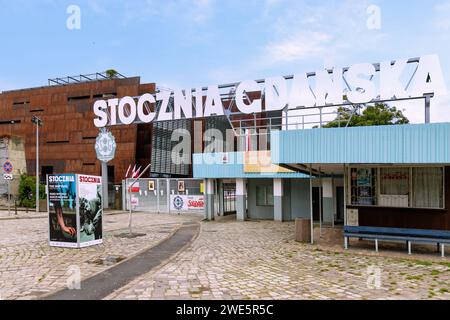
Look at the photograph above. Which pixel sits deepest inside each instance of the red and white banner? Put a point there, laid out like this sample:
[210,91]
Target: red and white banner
[186,203]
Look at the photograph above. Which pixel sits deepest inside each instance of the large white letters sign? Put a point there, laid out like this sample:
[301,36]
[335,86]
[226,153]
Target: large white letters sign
[356,83]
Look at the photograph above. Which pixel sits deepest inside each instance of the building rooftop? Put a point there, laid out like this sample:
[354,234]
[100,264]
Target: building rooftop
[77,79]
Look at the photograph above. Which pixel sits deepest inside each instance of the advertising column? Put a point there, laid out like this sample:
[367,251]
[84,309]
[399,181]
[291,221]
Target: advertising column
[90,210]
[62,207]
[75,210]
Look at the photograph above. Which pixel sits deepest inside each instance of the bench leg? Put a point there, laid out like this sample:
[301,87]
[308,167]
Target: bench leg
[376,245]
[442,250]
[409,247]
[438,247]
[345,243]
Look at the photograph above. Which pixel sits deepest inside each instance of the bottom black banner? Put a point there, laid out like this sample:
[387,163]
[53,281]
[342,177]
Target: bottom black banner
[155,309]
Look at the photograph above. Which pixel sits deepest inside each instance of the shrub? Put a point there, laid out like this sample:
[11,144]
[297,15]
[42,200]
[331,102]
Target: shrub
[27,191]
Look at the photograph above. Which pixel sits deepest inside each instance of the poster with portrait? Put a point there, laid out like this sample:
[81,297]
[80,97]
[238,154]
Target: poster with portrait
[62,207]
[90,210]
[181,186]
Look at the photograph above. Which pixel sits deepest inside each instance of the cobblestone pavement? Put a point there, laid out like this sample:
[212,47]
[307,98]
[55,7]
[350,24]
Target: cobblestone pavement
[5,215]
[29,268]
[260,260]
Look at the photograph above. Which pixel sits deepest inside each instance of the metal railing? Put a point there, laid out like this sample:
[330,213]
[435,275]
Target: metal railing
[257,125]
[85,78]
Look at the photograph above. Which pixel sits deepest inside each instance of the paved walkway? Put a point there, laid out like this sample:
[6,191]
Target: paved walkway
[260,260]
[104,283]
[228,260]
[29,268]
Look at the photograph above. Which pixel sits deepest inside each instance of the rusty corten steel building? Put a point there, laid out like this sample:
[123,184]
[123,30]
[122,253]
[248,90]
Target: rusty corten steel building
[67,137]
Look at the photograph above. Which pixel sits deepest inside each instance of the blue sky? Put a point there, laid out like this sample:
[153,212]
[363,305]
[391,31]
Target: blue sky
[190,43]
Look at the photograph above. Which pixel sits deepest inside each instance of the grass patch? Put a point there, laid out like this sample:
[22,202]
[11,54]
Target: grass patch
[443,290]
[445,264]
[435,272]
[423,263]
[414,277]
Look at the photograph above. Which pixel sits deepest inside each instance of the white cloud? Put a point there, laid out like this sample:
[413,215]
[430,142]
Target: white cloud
[97,7]
[304,36]
[196,11]
[201,10]
[440,109]
[300,46]
[414,110]
[441,16]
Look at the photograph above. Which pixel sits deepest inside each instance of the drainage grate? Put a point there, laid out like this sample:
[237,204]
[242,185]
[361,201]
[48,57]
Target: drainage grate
[131,235]
[108,261]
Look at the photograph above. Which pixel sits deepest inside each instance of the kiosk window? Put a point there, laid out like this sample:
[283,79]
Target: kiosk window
[428,187]
[363,187]
[394,181]
[264,196]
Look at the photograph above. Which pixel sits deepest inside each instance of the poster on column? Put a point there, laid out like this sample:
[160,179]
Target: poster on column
[90,210]
[75,210]
[62,208]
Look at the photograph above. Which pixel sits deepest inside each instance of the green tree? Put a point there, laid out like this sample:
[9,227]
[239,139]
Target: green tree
[27,191]
[379,114]
[111,73]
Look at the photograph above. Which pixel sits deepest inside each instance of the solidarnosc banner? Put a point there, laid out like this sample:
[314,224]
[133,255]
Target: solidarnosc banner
[186,203]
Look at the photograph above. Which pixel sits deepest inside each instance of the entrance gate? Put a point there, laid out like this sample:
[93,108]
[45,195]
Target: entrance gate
[164,195]
[229,198]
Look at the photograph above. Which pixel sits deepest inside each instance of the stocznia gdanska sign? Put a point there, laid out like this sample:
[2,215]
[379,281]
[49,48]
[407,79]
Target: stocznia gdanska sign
[359,81]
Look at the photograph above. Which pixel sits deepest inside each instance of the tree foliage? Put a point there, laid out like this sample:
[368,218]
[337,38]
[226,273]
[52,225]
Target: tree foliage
[379,114]
[27,191]
[111,73]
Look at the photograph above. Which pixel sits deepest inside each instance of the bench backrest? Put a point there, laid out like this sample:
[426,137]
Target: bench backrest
[399,232]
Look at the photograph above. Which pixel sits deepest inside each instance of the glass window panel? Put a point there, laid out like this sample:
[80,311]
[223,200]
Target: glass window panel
[428,187]
[394,181]
[264,196]
[260,196]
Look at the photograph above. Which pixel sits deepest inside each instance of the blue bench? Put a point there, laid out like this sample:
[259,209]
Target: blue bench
[441,237]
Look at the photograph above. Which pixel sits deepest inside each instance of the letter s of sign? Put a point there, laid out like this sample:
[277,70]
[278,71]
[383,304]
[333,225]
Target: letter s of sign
[102,118]
[359,76]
